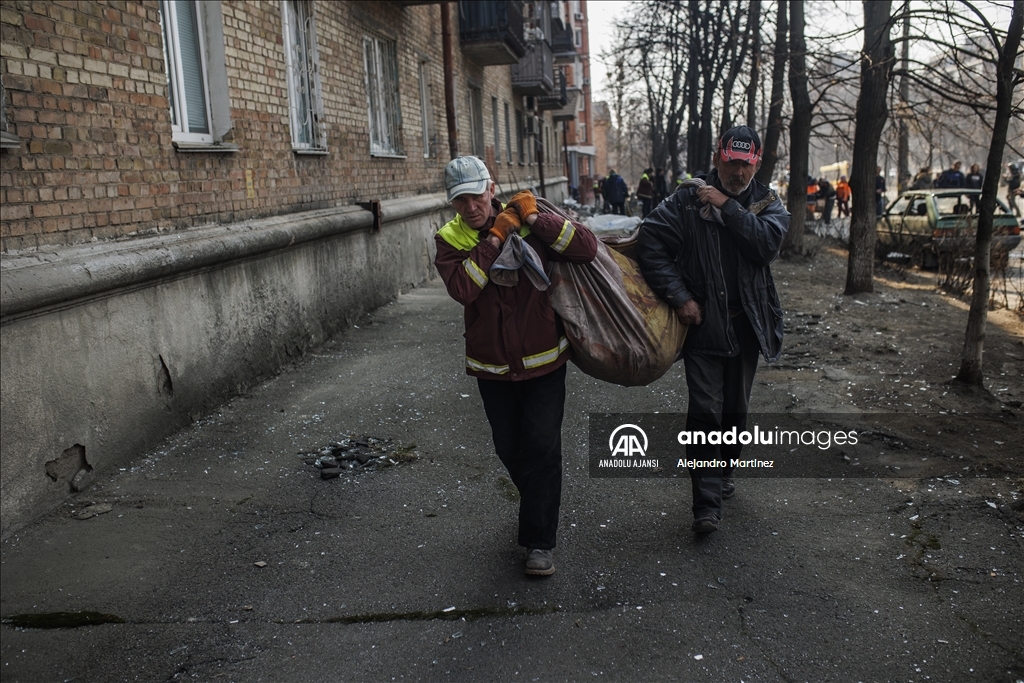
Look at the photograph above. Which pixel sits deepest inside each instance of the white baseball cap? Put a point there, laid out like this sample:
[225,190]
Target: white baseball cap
[465,175]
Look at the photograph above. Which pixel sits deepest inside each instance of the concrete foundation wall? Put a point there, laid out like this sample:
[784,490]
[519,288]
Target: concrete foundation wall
[106,349]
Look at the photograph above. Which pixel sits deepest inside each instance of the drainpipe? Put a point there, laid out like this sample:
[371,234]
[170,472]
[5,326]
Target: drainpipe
[540,155]
[449,85]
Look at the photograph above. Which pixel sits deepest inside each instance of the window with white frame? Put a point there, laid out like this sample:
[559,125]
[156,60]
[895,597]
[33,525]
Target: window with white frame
[476,121]
[187,83]
[497,129]
[426,111]
[508,136]
[381,62]
[197,81]
[305,104]
[519,138]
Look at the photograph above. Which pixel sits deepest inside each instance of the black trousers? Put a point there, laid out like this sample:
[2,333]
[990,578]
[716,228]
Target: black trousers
[526,424]
[645,204]
[719,394]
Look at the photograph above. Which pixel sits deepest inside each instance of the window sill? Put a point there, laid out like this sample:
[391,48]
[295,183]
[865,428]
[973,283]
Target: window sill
[216,148]
[377,155]
[307,151]
[9,141]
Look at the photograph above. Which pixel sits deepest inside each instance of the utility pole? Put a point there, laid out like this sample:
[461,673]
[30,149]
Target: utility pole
[449,80]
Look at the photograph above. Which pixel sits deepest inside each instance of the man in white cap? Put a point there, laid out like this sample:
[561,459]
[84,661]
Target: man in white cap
[515,344]
[706,251]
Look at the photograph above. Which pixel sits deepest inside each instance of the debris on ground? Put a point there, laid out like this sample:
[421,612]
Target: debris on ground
[93,510]
[358,453]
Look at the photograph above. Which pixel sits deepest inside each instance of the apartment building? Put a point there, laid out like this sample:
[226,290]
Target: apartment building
[194,193]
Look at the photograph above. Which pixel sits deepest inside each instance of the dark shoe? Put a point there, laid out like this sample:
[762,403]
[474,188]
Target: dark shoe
[705,524]
[728,487]
[539,562]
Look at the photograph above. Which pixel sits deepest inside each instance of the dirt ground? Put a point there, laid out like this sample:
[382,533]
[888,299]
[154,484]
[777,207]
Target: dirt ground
[896,350]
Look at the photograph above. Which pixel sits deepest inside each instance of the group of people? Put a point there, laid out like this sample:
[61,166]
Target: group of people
[831,196]
[705,250]
[611,192]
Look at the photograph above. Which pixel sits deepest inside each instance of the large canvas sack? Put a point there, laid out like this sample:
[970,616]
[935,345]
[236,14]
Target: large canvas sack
[620,331]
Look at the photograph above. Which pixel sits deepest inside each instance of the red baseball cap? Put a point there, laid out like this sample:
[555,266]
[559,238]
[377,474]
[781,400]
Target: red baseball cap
[740,144]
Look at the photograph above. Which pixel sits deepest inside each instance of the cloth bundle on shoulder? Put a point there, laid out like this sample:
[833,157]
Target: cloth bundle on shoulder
[619,330]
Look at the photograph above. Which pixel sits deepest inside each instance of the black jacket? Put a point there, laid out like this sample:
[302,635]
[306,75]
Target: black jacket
[680,257]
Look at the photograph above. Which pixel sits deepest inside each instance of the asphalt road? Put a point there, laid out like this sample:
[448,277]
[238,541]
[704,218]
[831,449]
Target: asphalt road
[411,572]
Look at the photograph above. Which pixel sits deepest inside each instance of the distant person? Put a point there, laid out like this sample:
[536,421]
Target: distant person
[515,344]
[812,197]
[615,191]
[645,193]
[879,191]
[828,193]
[597,194]
[973,181]
[843,194]
[1013,191]
[950,178]
[923,179]
[660,186]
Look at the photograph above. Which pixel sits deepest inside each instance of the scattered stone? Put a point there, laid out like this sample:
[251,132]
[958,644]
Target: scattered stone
[356,454]
[93,510]
[82,480]
[261,564]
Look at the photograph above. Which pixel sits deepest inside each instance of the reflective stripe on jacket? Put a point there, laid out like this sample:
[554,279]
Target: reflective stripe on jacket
[512,333]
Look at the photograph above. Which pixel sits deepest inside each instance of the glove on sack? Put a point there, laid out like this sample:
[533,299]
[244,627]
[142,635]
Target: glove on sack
[506,223]
[523,204]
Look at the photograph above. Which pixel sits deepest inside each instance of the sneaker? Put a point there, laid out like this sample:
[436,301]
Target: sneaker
[728,487]
[539,562]
[705,524]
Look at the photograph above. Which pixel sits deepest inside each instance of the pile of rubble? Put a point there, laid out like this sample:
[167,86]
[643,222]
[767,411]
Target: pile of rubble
[358,454]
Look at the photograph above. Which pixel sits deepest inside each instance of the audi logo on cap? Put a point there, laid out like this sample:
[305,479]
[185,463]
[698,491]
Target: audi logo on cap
[739,144]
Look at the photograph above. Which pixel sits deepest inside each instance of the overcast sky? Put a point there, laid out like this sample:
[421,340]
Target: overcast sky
[830,13]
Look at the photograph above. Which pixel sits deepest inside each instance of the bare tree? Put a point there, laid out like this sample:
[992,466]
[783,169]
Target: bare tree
[1007,77]
[799,131]
[775,120]
[754,24]
[872,111]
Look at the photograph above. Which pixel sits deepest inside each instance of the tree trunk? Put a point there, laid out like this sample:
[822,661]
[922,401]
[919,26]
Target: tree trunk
[774,131]
[903,153]
[974,340]
[692,90]
[754,24]
[876,66]
[799,132]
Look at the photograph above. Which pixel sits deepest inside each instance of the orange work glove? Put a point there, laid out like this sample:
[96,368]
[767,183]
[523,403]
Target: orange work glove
[505,224]
[524,204]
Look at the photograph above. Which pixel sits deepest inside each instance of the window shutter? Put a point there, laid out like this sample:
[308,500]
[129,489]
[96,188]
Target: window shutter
[192,67]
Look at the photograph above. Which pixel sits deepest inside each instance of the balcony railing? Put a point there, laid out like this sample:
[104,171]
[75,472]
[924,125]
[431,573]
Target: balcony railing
[563,44]
[558,98]
[534,74]
[491,31]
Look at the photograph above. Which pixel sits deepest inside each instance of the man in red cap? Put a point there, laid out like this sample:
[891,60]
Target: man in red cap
[515,344]
[706,251]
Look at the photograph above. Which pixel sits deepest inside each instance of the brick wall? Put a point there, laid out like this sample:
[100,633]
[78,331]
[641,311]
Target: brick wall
[87,95]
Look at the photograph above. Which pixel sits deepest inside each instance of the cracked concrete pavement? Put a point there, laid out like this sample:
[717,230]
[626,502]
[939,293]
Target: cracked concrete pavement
[411,572]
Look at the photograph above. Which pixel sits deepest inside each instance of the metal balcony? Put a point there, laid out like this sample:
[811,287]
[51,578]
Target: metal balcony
[491,31]
[563,43]
[534,74]
[568,111]
[558,98]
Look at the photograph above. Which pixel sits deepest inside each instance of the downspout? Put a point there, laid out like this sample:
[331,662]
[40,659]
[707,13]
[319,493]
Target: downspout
[449,78]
